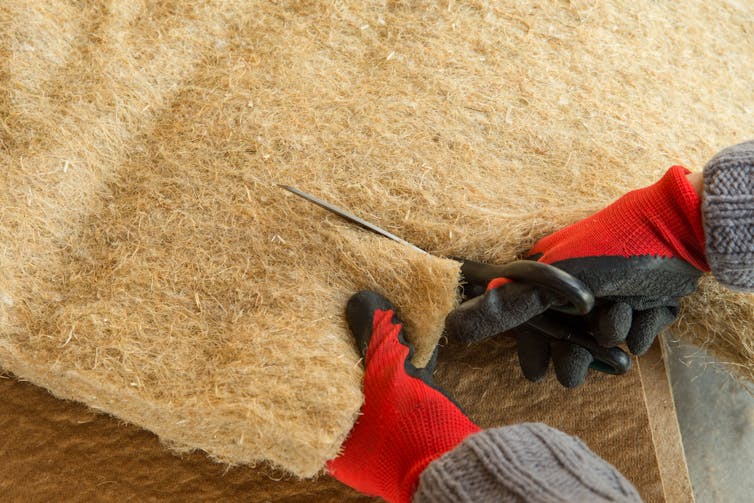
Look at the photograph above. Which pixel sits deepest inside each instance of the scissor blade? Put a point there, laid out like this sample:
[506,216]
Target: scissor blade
[349,216]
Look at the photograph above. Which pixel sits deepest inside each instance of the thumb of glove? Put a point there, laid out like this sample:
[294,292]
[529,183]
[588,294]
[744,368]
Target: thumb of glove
[498,310]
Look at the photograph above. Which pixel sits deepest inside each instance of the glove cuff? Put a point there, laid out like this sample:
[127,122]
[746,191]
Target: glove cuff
[728,213]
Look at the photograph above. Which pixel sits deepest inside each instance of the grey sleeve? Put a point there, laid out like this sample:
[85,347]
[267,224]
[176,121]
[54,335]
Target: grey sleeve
[728,214]
[528,462]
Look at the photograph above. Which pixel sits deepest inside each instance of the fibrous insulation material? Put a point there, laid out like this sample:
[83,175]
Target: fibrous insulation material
[151,268]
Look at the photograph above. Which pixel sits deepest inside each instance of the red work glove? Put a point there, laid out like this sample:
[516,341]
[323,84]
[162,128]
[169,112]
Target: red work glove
[406,421]
[638,256]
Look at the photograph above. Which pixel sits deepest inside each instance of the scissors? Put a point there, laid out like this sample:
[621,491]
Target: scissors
[566,323]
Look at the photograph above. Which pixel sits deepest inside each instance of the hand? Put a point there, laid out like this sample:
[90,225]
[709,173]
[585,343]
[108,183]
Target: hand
[406,421]
[639,257]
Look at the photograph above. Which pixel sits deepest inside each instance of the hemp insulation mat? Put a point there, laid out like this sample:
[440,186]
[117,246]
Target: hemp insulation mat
[152,269]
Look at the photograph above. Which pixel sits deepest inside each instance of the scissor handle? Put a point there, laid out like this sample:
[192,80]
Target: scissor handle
[574,297]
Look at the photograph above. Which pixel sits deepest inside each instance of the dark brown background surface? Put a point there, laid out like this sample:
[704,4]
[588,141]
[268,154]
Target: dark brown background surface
[55,450]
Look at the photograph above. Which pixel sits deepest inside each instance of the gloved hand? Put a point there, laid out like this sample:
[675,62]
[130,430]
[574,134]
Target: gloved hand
[639,257]
[406,422]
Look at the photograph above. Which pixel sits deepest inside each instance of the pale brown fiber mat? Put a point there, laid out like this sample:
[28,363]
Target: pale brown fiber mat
[152,269]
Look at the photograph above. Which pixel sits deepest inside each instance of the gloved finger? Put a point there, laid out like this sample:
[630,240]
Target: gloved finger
[376,326]
[610,323]
[645,327]
[364,311]
[571,362]
[533,349]
[425,373]
[496,311]
[432,363]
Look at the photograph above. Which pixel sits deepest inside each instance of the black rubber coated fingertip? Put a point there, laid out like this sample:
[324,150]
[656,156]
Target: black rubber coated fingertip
[497,311]
[468,322]
[612,324]
[533,353]
[647,324]
[640,341]
[571,363]
[531,371]
[360,315]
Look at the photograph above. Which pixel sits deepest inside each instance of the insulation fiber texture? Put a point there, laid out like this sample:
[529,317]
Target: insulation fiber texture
[151,267]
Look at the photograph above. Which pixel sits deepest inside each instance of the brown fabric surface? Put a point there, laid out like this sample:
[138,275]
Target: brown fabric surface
[152,268]
[608,412]
[56,450]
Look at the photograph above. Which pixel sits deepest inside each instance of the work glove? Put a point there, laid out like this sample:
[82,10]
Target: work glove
[639,257]
[406,421]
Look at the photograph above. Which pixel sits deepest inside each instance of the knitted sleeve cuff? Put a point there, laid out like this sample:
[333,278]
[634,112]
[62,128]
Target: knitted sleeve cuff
[523,462]
[728,213]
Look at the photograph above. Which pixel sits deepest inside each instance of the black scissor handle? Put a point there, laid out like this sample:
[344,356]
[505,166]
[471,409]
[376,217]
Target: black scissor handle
[574,297]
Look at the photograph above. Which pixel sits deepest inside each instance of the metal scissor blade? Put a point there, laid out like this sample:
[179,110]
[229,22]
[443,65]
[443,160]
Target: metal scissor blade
[349,216]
